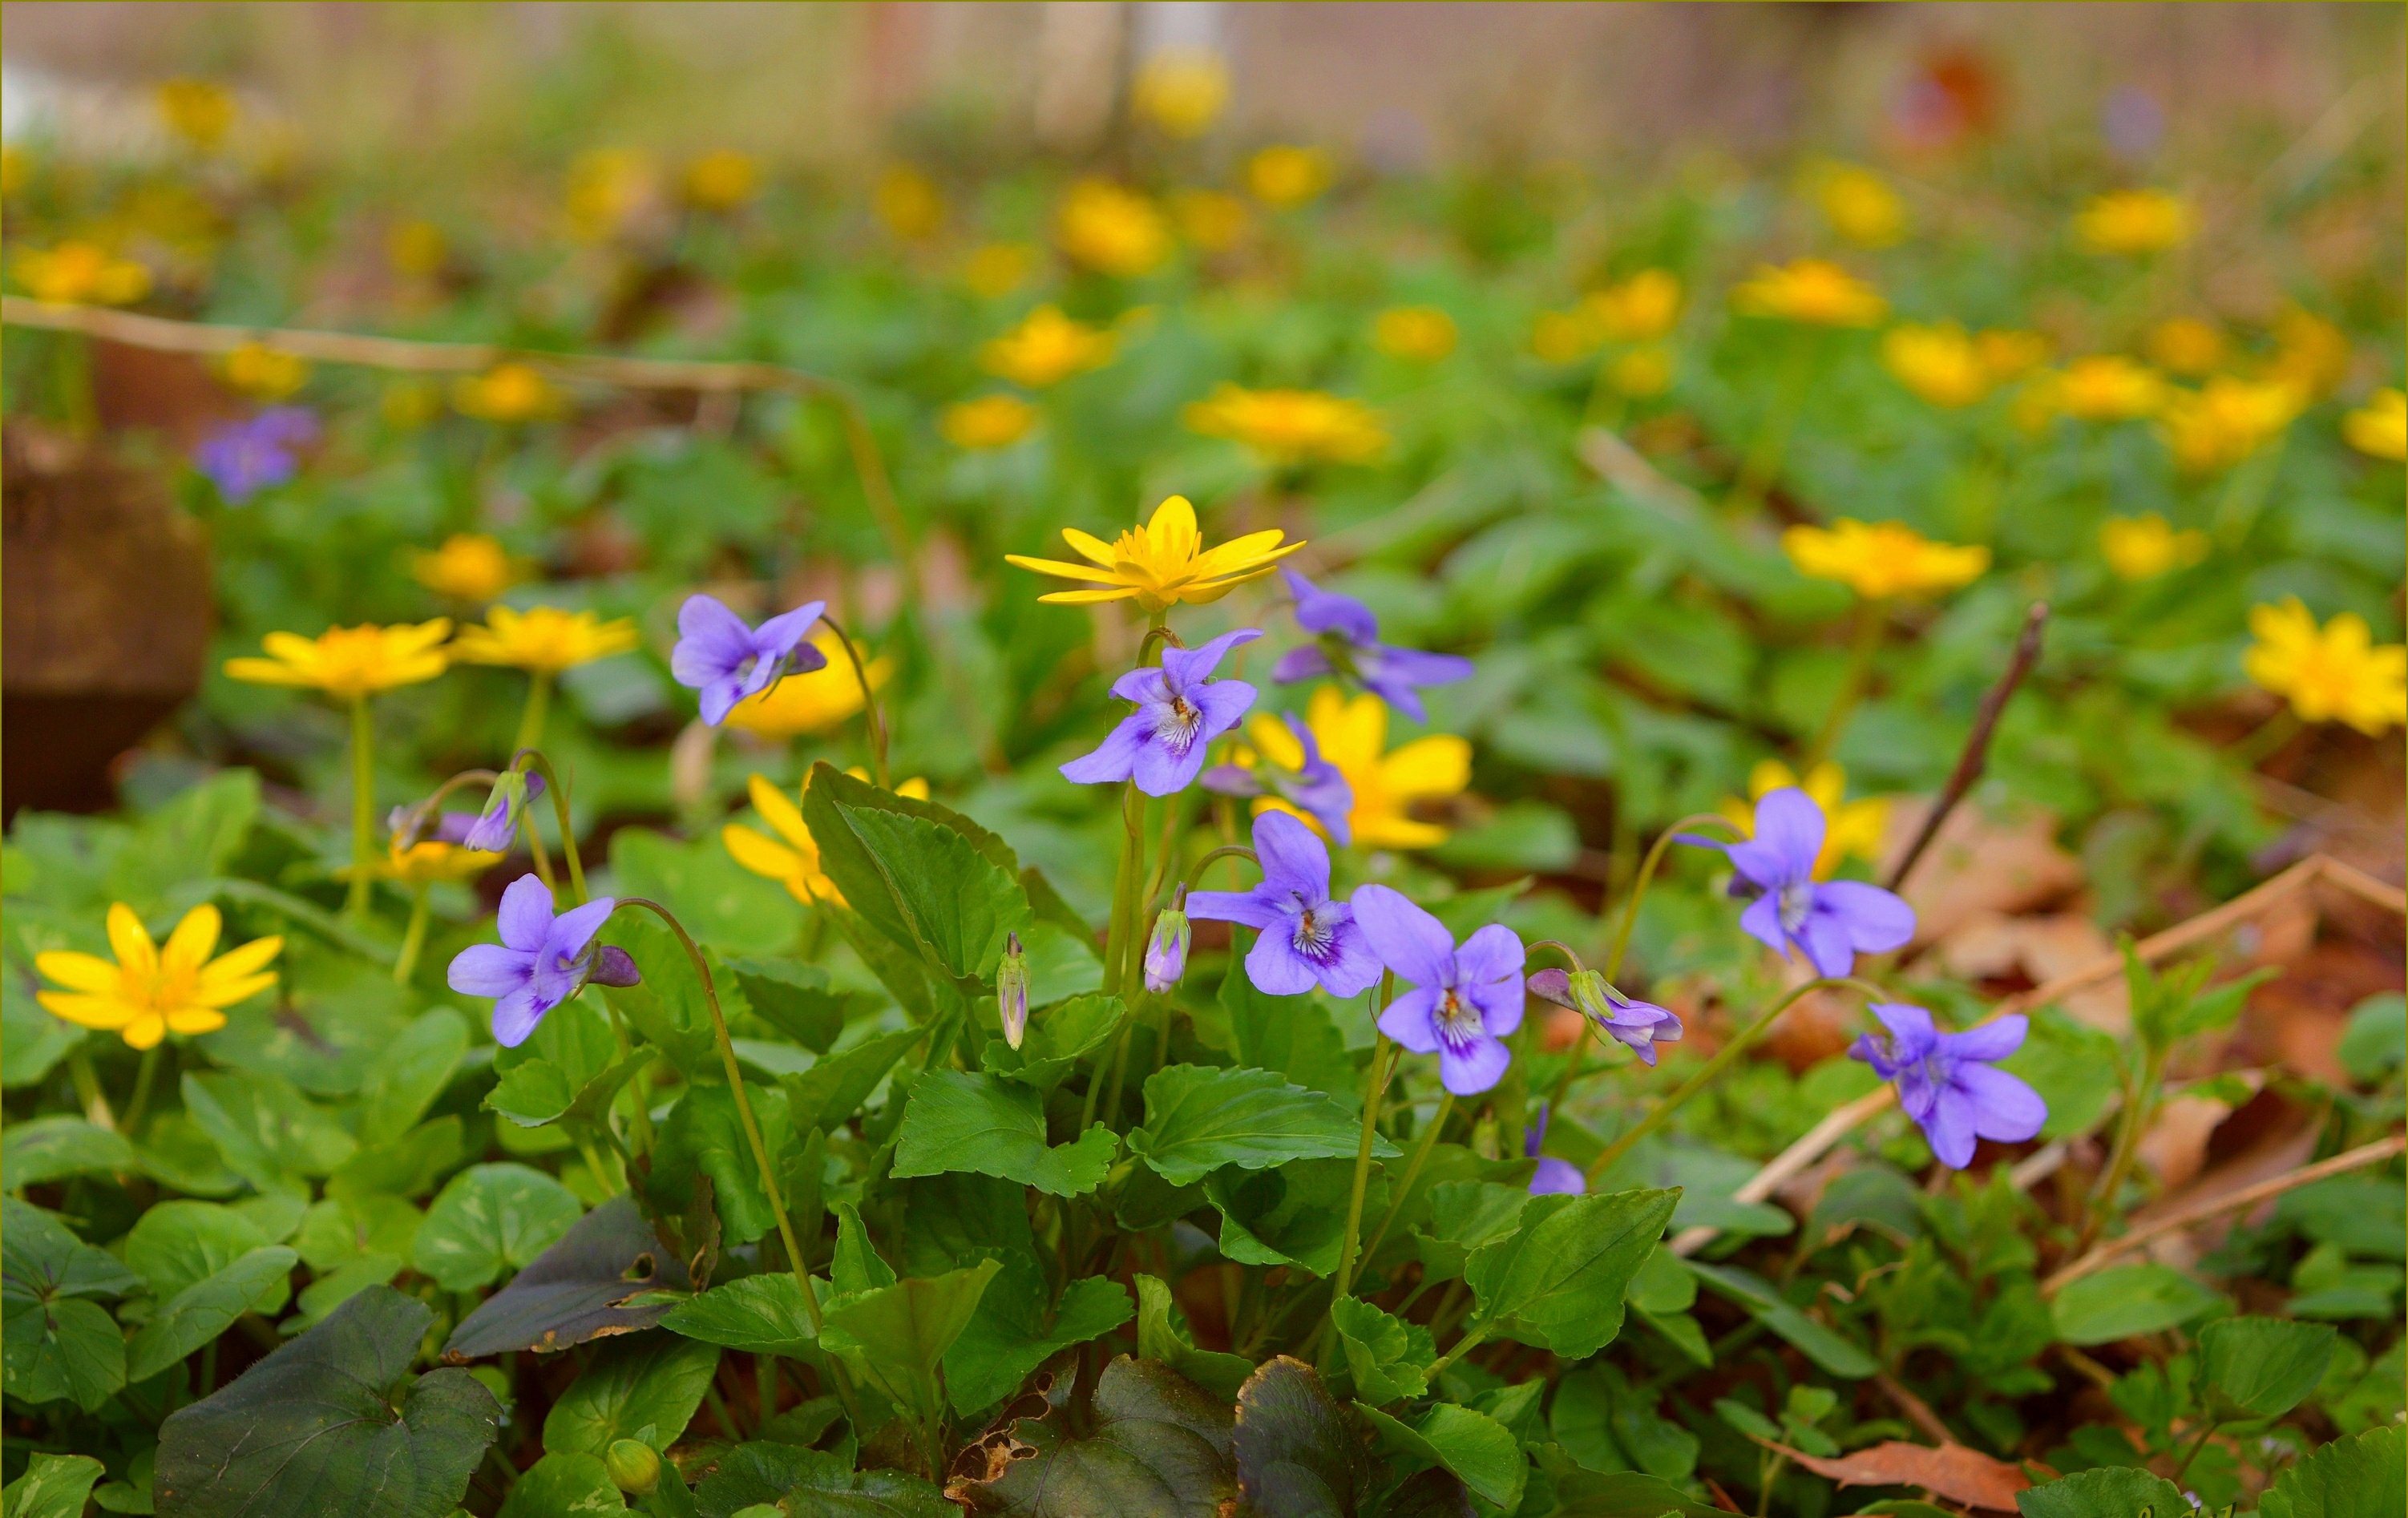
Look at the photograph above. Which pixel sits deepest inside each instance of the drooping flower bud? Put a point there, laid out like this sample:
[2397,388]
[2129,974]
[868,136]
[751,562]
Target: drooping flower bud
[497,826]
[1012,992]
[635,1466]
[1166,952]
[1641,1025]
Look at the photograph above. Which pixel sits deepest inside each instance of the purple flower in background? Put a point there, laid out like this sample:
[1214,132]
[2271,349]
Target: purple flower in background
[1465,998]
[1179,711]
[1307,939]
[716,654]
[497,827]
[541,960]
[1638,1025]
[1945,1082]
[1350,645]
[1554,1177]
[244,458]
[1315,787]
[1830,922]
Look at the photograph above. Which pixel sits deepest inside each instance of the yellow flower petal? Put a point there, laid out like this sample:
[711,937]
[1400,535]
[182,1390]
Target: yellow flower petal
[1091,598]
[188,948]
[88,1011]
[761,856]
[131,942]
[239,963]
[145,1031]
[194,1020]
[782,813]
[265,672]
[1088,546]
[226,991]
[1063,571]
[1438,765]
[78,972]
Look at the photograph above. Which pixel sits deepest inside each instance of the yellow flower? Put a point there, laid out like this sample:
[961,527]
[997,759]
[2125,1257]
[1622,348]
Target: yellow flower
[1421,333]
[431,862]
[721,180]
[2007,353]
[1641,372]
[543,640]
[1283,176]
[999,268]
[1047,349]
[2313,354]
[811,702]
[348,663]
[1811,290]
[997,420]
[1161,563]
[2186,345]
[256,370]
[1212,220]
[606,187]
[2380,427]
[2135,221]
[1110,229]
[1884,559]
[1639,310]
[1561,337]
[416,249]
[2218,426]
[1849,828]
[1860,206]
[1940,364]
[793,862]
[2145,546]
[1181,91]
[909,203]
[2335,674]
[469,566]
[1353,736]
[151,991]
[1290,426]
[508,393]
[198,111]
[81,273]
[2107,387]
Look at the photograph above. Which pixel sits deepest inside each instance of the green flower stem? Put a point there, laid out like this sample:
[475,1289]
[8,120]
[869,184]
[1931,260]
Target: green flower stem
[355,904]
[639,1114]
[2265,740]
[1118,950]
[413,940]
[1715,1067]
[2139,1106]
[1646,874]
[1762,464]
[872,716]
[1226,851]
[1872,616]
[1375,1086]
[145,1076]
[88,1093]
[1469,1342]
[534,760]
[2205,1431]
[1412,1171]
[538,705]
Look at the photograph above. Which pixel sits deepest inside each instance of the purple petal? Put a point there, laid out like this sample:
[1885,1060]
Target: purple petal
[1493,954]
[515,1016]
[574,929]
[2003,1108]
[711,641]
[1788,822]
[1407,1020]
[1557,1178]
[1231,779]
[1993,1041]
[1407,939]
[1553,985]
[1824,936]
[1476,1069]
[1417,667]
[776,639]
[1318,610]
[1761,922]
[1274,964]
[1500,1003]
[1871,1051]
[1912,1034]
[1352,969]
[1242,907]
[1877,920]
[1185,669]
[1950,1130]
[1222,702]
[488,969]
[525,915]
[613,966]
[1143,685]
[1112,760]
[720,697]
[1157,771]
[1293,859]
[1306,661]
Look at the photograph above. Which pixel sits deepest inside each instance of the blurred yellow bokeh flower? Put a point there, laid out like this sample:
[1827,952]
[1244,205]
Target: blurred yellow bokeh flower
[1813,291]
[543,640]
[1048,348]
[1849,828]
[1641,372]
[1110,229]
[999,268]
[2107,387]
[348,663]
[1290,426]
[2311,353]
[197,111]
[416,249]
[721,180]
[81,273]
[2007,352]
[792,857]
[814,701]
[257,369]
[1860,206]
[151,991]
[997,420]
[2135,221]
[509,393]
[1883,559]
[2145,546]
[1640,309]
[606,188]
[1561,337]
[1161,563]
[2225,422]
[2380,427]
[469,566]
[1353,734]
[909,203]
[2335,673]
[1940,364]
[1212,220]
[1181,91]
[1423,333]
[2186,345]
[1283,176]
[428,862]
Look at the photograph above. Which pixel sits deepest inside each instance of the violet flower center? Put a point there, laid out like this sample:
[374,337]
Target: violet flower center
[1178,730]
[1313,935]
[1459,1026]
[1796,902]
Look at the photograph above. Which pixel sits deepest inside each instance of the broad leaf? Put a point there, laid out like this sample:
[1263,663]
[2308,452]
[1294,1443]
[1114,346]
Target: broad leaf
[1826,1347]
[1559,1280]
[797,1000]
[2363,1477]
[2264,1367]
[1293,1215]
[1389,1357]
[1010,1336]
[575,1290]
[1290,1036]
[408,1166]
[2107,1492]
[53,1148]
[643,1388]
[1296,1457]
[491,1219]
[857,1265]
[1475,1448]
[1199,1119]
[207,1308]
[1464,1215]
[986,1125]
[1057,1038]
[899,1333]
[564,1485]
[1159,1447]
[2126,1299]
[814,1484]
[1624,1493]
[832,1090]
[52,1486]
[1606,1424]
[764,1315]
[538,1093]
[54,1345]
[921,882]
[1162,1335]
[268,1132]
[705,1136]
[409,1073]
[177,1243]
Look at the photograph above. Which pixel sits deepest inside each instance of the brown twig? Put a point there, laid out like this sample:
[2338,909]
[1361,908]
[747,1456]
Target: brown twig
[1976,754]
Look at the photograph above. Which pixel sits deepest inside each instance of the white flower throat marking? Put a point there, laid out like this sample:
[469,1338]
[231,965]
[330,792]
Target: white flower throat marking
[1459,1026]
[1797,901]
[1178,726]
[1312,932]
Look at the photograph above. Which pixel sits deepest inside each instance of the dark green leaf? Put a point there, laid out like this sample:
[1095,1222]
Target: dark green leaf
[53,1148]
[2265,1367]
[1293,1215]
[1291,1036]
[1057,1038]
[1464,1215]
[40,1259]
[489,1220]
[2363,1215]
[1606,1424]
[857,1265]
[409,1074]
[54,1345]
[574,1291]
[2375,1042]
[2126,1299]
[815,1483]
[1624,1494]
[177,1243]
[2108,1492]
[1199,1119]
[1388,1357]
[924,883]
[796,1001]
[207,1308]
[831,1091]
[899,1335]
[640,1386]
[52,1486]
[2362,1476]
[1159,1448]
[1822,1345]
[705,1136]
[1162,1335]
[1559,1280]
[763,1314]
[564,1485]
[1009,1336]
[1296,1457]
[1478,1450]
[988,1126]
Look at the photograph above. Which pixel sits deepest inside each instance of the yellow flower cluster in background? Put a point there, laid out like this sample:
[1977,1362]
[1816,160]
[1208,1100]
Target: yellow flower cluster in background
[2107,387]
[2225,422]
[997,420]
[1423,334]
[80,274]
[814,701]
[2333,673]
[2145,546]
[1353,736]
[1161,563]
[509,393]
[543,640]
[1813,291]
[1640,309]
[1290,426]
[1212,220]
[1942,365]
[999,268]
[349,663]
[258,370]
[2311,354]
[2130,221]
[721,180]
[428,862]
[1283,176]
[1181,91]
[1048,348]
[909,203]
[1883,559]
[1850,828]
[2380,427]
[606,188]
[2187,346]
[1859,204]
[1110,229]
[151,991]
[196,110]
[469,566]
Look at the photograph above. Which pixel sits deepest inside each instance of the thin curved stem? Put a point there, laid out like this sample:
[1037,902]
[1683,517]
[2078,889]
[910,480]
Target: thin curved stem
[413,941]
[1640,883]
[1413,1172]
[874,716]
[538,705]
[533,759]
[1872,616]
[145,1076]
[1226,851]
[428,810]
[1383,1065]
[355,903]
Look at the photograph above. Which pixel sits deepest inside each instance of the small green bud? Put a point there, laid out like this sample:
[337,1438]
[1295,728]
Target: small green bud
[634,1466]
[1012,992]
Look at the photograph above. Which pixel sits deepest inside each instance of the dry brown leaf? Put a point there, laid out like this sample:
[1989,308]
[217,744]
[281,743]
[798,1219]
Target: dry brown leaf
[2176,1147]
[1952,1470]
[1991,945]
[1981,862]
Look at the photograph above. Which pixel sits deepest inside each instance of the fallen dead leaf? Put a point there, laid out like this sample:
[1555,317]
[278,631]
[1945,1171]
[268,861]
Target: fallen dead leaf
[1951,1470]
[2176,1147]
[1991,945]
[1981,862]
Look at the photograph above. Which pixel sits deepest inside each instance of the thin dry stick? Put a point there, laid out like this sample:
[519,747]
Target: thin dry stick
[2365,1154]
[1976,755]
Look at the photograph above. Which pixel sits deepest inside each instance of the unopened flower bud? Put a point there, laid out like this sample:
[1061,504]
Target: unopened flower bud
[1166,952]
[497,826]
[635,1466]
[1012,992]
[1638,1026]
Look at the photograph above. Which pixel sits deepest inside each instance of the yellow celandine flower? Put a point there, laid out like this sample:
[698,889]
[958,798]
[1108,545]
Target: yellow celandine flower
[429,862]
[257,369]
[1883,559]
[544,639]
[999,268]
[2217,427]
[2380,427]
[1849,828]
[1813,291]
[1047,349]
[1423,334]
[909,203]
[2107,387]
[1212,220]
[2335,673]
[1161,563]
[509,393]
[469,566]
[2186,345]
[2312,354]
[1110,229]
[1290,426]
[721,180]
[151,990]
[349,663]
[1561,337]
[1284,175]
[1640,309]
[2133,221]
[2145,546]
[1181,91]
[1353,734]
[81,273]
[794,862]
[2008,354]
[1940,364]
[997,420]
[196,110]
[416,249]
[814,701]
[606,187]
[1860,206]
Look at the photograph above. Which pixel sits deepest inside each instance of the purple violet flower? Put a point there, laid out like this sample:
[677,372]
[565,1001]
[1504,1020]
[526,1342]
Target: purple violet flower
[1465,998]
[497,827]
[1317,788]
[1830,922]
[1307,939]
[1179,711]
[244,458]
[718,655]
[1641,1025]
[1947,1083]
[1554,1177]
[1349,644]
[541,960]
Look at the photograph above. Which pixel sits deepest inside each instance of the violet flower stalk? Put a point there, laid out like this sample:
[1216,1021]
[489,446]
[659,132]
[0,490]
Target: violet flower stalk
[1179,711]
[541,962]
[1830,921]
[1554,1177]
[1946,1082]
[725,660]
[1307,939]
[1349,644]
[1315,788]
[1639,1025]
[1465,998]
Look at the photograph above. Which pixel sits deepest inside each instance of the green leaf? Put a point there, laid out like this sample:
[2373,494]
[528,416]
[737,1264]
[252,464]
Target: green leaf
[857,1265]
[207,1308]
[1684,1332]
[705,1136]
[268,1132]
[2363,1477]
[1478,1451]
[899,1335]
[577,1289]
[329,1424]
[1464,1215]
[55,1345]
[538,1093]
[723,904]
[1559,1280]
[1293,1215]
[1663,1285]
[1296,1457]
[2363,1215]
[2107,1492]
[796,1000]
[1009,1336]
[924,883]
[1057,1038]
[41,1260]
[640,1386]
[564,1485]
[988,1126]
[32,1042]
[1199,1119]
[2265,1367]
[1388,1357]
[832,1090]
[2127,1299]
[1291,1036]
[1870,1196]
[408,1166]
[1162,1335]
[410,1074]
[1159,1447]
[2076,1069]
[52,1486]
[814,1484]
[1606,1424]
[1824,1346]
[489,1220]
[2374,1041]
[176,1244]
[53,1148]
[763,1314]
[1623,1494]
